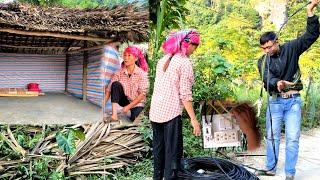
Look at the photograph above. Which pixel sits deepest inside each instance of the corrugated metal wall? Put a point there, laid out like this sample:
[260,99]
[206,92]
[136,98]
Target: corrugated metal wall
[94,87]
[75,70]
[17,70]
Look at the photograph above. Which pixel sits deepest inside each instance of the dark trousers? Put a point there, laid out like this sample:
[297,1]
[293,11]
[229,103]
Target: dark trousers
[167,148]
[118,96]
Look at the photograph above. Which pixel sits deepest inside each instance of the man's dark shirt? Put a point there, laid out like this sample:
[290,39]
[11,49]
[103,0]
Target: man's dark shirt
[284,65]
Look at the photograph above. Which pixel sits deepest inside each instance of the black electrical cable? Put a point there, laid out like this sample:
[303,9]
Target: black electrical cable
[298,10]
[208,168]
[272,136]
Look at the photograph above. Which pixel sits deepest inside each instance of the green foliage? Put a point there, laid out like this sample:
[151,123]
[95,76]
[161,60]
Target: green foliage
[38,169]
[24,139]
[215,12]
[212,78]
[57,176]
[40,2]
[192,145]
[139,171]
[78,134]
[164,15]
[311,115]
[41,166]
[6,151]
[27,141]
[146,132]
[66,141]
[230,32]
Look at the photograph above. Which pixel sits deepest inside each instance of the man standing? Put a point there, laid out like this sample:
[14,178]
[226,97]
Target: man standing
[281,77]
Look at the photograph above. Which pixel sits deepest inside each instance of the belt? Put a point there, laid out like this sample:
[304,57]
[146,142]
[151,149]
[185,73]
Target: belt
[287,96]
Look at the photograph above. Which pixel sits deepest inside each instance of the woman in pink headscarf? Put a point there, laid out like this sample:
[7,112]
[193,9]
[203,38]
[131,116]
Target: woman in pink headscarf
[128,86]
[172,92]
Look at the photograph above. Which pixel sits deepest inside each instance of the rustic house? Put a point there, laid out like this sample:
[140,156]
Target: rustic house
[60,49]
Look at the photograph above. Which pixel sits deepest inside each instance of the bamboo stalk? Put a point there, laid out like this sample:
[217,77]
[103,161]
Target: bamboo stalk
[12,146]
[61,167]
[93,172]
[18,147]
[99,167]
[47,156]
[36,148]
[91,133]
[4,163]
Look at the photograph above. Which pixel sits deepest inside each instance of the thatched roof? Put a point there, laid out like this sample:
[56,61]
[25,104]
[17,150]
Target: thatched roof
[31,26]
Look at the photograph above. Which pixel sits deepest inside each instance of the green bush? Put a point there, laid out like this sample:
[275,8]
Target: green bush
[212,78]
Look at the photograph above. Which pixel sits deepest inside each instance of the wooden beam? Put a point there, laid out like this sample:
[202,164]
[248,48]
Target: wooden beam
[66,79]
[34,47]
[85,49]
[52,34]
[85,73]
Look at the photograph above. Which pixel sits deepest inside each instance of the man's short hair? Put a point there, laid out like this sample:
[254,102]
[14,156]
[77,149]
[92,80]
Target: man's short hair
[268,36]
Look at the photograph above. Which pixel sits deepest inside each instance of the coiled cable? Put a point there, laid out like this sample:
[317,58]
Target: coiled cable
[207,168]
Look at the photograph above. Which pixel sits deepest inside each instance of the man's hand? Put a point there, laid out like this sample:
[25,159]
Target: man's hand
[283,84]
[196,127]
[280,85]
[311,6]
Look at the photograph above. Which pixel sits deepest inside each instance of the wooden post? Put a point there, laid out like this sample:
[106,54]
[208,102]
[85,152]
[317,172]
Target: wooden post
[66,79]
[85,73]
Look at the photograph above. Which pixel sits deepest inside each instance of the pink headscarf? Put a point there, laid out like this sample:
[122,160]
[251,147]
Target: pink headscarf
[178,41]
[142,62]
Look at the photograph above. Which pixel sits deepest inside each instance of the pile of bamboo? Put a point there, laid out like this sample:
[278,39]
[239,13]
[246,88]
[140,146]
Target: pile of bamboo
[107,146]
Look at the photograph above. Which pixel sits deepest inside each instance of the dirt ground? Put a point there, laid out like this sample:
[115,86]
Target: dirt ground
[308,166]
[52,108]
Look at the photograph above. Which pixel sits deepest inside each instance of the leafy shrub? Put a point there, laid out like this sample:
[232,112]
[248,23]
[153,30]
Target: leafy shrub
[212,78]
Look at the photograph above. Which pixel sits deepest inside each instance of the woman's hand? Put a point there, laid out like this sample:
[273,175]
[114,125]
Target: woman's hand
[126,109]
[196,127]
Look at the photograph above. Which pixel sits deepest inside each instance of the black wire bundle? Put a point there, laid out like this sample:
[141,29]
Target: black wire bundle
[214,168]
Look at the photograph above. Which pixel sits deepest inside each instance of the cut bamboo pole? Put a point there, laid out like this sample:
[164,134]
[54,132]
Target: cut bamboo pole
[18,147]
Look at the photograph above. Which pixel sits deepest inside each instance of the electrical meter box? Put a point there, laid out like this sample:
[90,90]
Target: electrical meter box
[219,129]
